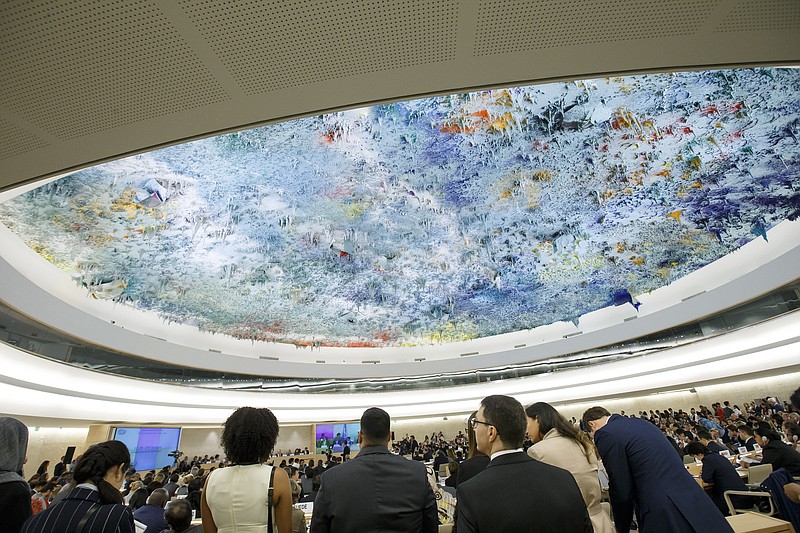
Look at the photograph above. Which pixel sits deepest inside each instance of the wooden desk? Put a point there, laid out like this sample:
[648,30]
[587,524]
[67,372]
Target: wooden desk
[758,523]
[705,486]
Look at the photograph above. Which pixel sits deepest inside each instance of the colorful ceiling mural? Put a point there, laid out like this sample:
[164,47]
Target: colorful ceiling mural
[434,220]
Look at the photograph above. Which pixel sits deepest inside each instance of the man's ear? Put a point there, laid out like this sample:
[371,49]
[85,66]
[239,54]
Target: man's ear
[492,433]
[360,438]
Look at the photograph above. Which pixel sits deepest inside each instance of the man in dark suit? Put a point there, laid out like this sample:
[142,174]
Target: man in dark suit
[152,514]
[376,491]
[646,476]
[708,441]
[60,468]
[722,475]
[746,436]
[516,493]
[346,451]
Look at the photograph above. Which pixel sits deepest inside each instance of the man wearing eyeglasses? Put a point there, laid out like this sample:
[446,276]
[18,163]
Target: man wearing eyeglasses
[516,493]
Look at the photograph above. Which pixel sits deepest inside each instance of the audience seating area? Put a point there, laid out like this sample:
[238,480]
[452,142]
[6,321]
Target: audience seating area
[721,424]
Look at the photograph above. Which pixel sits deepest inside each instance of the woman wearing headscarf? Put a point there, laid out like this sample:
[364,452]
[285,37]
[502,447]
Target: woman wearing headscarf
[557,442]
[95,504]
[15,493]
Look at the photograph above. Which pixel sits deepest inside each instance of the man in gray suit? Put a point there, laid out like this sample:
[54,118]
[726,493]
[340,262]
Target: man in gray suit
[377,491]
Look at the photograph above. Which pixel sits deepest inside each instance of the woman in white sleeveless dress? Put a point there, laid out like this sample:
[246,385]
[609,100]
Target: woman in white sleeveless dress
[234,499]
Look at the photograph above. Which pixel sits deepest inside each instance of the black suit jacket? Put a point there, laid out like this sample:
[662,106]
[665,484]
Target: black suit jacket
[59,469]
[471,467]
[781,455]
[718,471]
[376,492]
[516,494]
[65,515]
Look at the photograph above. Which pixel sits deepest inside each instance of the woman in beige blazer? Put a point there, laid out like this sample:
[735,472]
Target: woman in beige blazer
[557,442]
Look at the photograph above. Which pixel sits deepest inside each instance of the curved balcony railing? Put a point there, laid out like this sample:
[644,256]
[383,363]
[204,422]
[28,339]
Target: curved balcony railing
[38,339]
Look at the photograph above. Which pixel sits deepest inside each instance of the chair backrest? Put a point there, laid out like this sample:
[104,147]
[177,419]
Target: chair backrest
[688,459]
[774,484]
[442,470]
[306,484]
[758,473]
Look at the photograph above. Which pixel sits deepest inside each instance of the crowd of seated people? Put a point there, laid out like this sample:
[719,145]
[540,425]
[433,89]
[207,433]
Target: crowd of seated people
[767,425]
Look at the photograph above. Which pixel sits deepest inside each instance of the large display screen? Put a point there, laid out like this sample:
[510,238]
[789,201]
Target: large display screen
[333,437]
[149,447]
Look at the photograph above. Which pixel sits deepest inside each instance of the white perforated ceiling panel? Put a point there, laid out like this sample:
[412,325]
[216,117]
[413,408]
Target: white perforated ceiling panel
[525,25]
[15,140]
[749,15]
[81,67]
[275,45]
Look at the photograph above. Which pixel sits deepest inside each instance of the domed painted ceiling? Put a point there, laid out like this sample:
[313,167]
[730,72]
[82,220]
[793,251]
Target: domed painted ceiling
[434,220]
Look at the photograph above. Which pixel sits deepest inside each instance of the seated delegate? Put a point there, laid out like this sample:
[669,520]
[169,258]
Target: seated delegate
[721,474]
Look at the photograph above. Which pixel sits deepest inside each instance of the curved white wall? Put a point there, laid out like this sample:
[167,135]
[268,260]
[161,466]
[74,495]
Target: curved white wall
[38,387]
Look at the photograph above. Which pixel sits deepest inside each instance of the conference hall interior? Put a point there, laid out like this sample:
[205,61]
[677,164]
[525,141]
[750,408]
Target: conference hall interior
[318,207]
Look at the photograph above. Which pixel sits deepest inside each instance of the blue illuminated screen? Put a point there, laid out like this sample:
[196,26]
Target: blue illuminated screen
[149,447]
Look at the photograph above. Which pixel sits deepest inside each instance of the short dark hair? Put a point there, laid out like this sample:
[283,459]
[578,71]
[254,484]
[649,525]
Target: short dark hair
[703,434]
[249,435]
[696,447]
[592,414]
[375,425]
[507,416]
[159,497]
[765,431]
[795,399]
[746,429]
[179,515]
[174,478]
[452,467]
[195,484]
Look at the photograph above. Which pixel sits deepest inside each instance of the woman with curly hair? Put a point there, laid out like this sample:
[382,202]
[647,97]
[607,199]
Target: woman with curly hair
[557,442]
[95,505]
[248,496]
